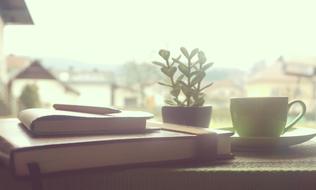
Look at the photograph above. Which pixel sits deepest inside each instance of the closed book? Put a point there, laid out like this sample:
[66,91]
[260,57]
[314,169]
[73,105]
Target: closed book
[40,121]
[66,153]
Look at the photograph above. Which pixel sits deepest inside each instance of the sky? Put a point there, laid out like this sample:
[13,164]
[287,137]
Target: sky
[231,33]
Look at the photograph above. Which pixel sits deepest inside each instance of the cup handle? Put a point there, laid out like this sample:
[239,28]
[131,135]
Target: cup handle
[297,118]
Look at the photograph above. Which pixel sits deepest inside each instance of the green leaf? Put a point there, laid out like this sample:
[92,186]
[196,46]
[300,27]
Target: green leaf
[169,71]
[195,96]
[205,67]
[179,78]
[198,99]
[165,54]
[184,69]
[194,81]
[179,103]
[175,92]
[172,70]
[194,63]
[165,70]
[185,52]
[163,84]
[158,63]
[183,84]
[194,73]
[194,52]
[206,86]
[198,78]
[202,58]
[191,102]
[176,60]
[199,102]
[170,102]
[185,89]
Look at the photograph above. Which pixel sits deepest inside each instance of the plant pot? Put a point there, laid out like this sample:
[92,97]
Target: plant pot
[192,116]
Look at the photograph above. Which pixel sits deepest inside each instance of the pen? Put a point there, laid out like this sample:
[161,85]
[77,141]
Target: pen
[86,109]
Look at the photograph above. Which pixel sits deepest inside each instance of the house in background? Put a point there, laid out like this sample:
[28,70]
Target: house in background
[95,86]
[50,89]
[274,81]
[73,85]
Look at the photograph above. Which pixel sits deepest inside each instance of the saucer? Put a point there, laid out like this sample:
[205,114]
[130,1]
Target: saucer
[292,137]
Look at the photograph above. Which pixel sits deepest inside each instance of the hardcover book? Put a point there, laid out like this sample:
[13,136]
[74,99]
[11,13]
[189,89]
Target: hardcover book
[65,153]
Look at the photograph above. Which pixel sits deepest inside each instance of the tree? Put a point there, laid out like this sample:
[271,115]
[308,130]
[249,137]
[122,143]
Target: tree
[29,97]
[140,75]
[4,108]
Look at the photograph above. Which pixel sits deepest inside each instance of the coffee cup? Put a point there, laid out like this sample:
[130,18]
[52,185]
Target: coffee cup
[263,116]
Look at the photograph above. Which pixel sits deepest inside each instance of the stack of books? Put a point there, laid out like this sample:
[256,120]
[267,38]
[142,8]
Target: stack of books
[80,137]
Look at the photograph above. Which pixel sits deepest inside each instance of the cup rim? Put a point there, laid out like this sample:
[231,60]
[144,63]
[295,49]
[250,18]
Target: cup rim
[260,97]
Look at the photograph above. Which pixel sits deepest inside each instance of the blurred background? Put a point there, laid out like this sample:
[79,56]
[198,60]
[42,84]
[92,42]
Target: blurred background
[100,52]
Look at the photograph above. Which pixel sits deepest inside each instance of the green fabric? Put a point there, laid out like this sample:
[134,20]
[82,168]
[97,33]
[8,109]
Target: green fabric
[294,168]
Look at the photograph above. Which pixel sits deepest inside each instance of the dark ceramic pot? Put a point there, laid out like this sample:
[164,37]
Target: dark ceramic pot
[192,116]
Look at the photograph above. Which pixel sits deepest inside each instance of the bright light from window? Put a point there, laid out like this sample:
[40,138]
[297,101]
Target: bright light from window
[232,33]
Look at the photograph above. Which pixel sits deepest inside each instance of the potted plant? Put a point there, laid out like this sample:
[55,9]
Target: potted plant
[184,78]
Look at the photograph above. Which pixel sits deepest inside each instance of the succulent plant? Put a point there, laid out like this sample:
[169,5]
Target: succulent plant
[184,77]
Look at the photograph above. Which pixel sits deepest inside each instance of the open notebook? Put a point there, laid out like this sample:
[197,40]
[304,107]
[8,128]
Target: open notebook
[40,121]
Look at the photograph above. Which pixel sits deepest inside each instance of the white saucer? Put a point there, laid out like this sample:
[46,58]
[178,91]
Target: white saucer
[292,137]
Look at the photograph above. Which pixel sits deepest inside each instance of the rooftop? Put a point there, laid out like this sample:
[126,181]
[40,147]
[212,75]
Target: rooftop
[15,12]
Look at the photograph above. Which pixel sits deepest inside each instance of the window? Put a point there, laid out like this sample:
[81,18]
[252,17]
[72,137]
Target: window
[103,57]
